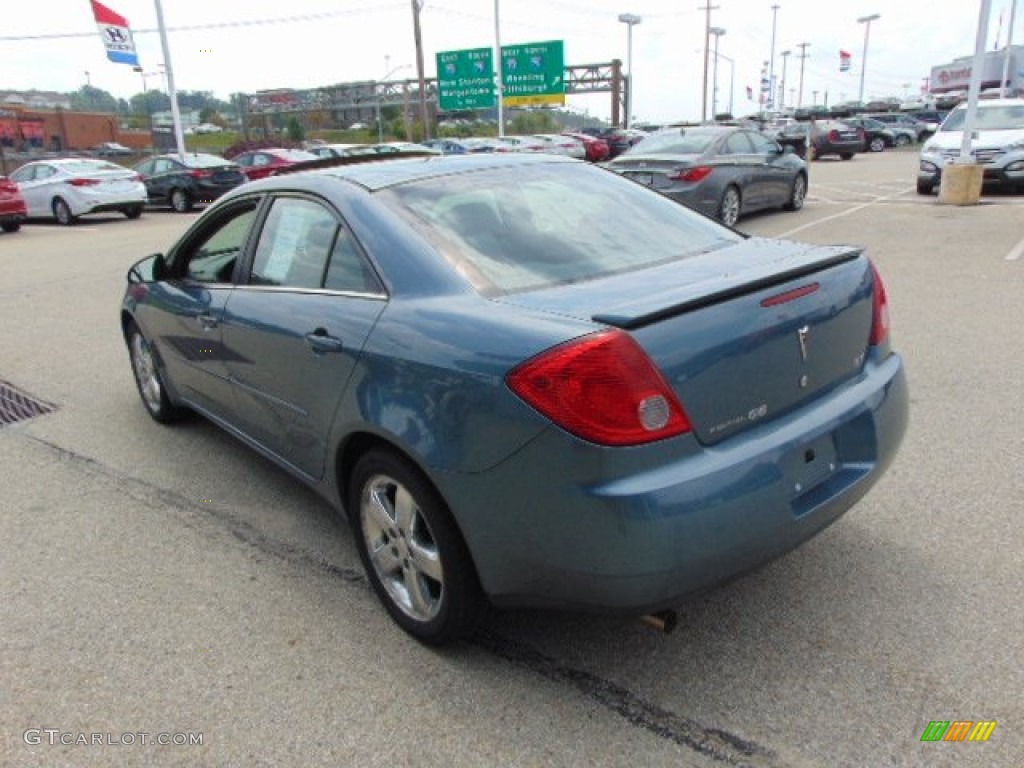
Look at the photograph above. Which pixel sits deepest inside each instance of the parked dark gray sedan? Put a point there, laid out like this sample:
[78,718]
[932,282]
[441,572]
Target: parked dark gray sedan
[721,171]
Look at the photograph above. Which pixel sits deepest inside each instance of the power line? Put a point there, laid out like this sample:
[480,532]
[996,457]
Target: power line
[218,25]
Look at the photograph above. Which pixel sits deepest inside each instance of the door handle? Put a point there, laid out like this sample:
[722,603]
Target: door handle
[322,342]
[209,322]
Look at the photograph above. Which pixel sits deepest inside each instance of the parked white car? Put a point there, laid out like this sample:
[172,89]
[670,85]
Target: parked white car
[66,188]
[999,146]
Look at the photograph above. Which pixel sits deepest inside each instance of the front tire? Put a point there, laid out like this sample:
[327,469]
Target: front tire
[924,188]
[902,140]
[412,550]
[797,193]
[146,370]
[180,200]
[134,212]
[10,226]
[729,207]
[846,156]
[62,212]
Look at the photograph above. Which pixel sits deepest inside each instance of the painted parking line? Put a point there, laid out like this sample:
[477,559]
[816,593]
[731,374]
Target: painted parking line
[1017,252]
[842,214]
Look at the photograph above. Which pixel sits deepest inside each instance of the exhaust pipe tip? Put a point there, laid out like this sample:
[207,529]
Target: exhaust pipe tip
[663,621]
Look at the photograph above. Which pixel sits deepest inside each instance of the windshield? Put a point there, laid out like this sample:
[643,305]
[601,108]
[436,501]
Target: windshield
[681,142]
[521,228]
[994,117]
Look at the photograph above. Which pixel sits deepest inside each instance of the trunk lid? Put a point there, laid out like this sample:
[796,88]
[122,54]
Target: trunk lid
[742,334]
[653,170]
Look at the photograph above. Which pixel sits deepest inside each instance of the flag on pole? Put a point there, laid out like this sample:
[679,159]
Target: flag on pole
[117,37]
[750,93]
[844,61]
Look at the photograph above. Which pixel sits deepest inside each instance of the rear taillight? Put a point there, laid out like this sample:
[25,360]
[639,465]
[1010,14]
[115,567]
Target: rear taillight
[199,174]
[879,309]
[833,136]
[83,182]
[699,173]
[602,388]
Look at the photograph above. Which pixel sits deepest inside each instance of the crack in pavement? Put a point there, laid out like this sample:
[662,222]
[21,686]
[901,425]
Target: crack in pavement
[717,744]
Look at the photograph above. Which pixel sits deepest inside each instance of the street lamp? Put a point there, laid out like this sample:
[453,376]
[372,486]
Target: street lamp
[630,20]
[732,77]
[866,21]
[717,32]
[376,89]
[771,66]
[782,82]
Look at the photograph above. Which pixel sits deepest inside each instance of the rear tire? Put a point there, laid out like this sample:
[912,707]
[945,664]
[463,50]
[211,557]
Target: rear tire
[412,551]
[729,206]
[924,188]
[10,226]
[797,193]
[846,155]
[62,212]
[180,200]
[134,212]
[902,140]
[877,144]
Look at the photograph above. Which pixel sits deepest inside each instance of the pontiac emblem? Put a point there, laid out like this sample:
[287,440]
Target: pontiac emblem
[801,336]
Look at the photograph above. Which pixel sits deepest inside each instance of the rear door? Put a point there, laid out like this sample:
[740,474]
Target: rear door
[34,182]
[296,328]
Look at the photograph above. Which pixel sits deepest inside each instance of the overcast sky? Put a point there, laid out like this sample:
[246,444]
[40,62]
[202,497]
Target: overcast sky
[329,41]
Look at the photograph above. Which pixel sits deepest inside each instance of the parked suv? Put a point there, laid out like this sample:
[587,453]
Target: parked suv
[999,147]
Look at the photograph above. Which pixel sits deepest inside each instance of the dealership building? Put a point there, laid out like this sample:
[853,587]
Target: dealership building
[953,79]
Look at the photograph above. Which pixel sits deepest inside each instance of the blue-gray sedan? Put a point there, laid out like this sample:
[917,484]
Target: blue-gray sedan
[527,380]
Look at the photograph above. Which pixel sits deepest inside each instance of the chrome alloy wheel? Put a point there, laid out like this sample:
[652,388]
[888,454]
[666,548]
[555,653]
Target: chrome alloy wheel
[402,548]
[729,210]
[145,373]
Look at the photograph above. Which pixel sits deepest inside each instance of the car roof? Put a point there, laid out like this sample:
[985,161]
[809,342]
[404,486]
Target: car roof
[392,170]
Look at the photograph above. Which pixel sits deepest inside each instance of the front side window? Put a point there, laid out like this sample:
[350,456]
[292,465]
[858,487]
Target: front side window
[213,258]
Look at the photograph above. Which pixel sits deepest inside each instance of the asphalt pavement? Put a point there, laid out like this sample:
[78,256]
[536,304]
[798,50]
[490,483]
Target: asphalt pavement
[167,584]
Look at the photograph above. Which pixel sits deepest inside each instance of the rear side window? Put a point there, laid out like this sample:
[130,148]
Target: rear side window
[294,245]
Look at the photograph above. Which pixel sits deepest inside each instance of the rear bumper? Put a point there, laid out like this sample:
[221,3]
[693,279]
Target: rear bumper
[677,518]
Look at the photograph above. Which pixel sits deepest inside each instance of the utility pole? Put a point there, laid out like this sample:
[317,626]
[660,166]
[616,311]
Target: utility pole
[803,56]
[417,6]
[771,66]
[782,82]
[707,56]
[866,21]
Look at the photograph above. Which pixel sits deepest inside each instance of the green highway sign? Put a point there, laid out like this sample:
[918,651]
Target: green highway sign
[533,74]
[465,79]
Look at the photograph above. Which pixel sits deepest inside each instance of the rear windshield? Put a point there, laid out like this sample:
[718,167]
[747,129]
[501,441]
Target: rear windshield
[522,228]
[81,167]
[683,142]
[990,118]
[205,161]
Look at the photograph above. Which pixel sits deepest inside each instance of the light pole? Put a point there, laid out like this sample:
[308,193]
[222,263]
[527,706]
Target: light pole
[782,82]
[866,21]
[717,32]
[376,93]
[145,97]
[630,20]
[771,67]
[732,78]
[708,8]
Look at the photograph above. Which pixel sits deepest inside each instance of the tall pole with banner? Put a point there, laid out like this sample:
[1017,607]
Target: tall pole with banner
[179,136]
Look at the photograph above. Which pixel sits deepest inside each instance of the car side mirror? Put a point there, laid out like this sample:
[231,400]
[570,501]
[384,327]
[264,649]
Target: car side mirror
[151,269]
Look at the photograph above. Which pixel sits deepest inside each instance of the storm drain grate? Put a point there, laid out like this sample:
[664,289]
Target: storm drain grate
[16,405]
